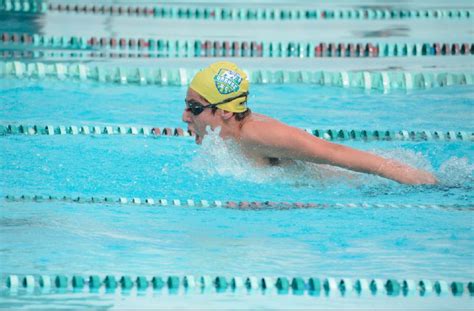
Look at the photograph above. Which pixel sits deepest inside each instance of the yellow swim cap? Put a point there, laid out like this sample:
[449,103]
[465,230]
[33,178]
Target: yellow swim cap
[223,81]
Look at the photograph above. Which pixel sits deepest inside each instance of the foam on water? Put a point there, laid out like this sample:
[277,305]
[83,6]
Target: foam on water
[410,157]
[456,172]
[224,157]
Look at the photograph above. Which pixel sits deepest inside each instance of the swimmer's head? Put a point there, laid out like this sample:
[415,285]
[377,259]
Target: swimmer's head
[216,97]
[223,85]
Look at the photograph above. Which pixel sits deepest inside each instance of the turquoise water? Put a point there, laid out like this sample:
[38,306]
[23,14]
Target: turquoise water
[42,238]
[176,168]
[51,238]
[66,102]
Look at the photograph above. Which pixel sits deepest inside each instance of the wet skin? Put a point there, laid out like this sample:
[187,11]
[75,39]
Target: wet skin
[268,141]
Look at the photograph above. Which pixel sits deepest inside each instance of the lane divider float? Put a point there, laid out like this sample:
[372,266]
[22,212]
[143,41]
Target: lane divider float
[331,134]
[242,205]
[374,80]
[82,55]
[216,48]
[229,13]
[23,6]
[281,285]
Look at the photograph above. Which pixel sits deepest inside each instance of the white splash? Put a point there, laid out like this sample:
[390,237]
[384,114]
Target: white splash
[410,157]
[224,157]
[456,172]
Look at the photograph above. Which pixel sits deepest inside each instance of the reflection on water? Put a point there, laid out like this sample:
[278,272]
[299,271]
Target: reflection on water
[21,23]
[22,222]
[393,31]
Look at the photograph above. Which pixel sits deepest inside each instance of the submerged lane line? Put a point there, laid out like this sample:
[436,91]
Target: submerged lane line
[331,134]
[242,205]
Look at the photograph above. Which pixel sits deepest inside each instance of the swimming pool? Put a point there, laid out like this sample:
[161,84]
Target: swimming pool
[122,203]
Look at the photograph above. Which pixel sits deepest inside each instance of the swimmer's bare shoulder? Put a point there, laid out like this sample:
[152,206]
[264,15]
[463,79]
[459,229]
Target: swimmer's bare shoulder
[257,129]
[269,138]
[274,139]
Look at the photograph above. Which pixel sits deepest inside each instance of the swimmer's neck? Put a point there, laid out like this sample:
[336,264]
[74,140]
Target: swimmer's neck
[234,129]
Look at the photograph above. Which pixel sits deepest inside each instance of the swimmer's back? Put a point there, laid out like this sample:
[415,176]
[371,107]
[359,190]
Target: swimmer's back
[253,134]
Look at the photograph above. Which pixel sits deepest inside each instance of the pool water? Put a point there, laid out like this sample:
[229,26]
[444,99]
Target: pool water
[374,228]
[69,102]
[61,237]
[176,168]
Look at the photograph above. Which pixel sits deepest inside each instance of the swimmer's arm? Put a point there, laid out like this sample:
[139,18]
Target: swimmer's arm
[283,141]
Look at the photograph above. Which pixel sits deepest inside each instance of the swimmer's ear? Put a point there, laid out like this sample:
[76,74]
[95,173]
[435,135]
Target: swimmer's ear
[226,115]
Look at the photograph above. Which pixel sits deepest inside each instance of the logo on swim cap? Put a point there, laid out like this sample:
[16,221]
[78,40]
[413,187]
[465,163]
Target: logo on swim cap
[227,81]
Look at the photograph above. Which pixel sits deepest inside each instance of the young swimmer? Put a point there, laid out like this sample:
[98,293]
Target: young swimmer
[217,97]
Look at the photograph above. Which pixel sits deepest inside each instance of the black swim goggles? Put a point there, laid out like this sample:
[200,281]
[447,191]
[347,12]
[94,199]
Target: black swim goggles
[196,108]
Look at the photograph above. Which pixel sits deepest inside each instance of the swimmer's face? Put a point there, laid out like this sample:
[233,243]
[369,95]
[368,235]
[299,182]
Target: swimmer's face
[198,123]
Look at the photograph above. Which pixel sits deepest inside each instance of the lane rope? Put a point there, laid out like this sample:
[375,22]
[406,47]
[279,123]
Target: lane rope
[331,134]
[375,80]
[314,286]
[241,205]
[242,14]
[208,48]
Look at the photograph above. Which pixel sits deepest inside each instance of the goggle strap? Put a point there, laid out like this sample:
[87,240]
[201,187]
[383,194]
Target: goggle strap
[228,100]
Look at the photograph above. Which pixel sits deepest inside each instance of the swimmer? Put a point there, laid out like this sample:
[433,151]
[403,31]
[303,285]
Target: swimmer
[217,97]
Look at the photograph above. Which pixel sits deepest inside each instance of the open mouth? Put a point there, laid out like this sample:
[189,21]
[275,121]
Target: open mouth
[197,137]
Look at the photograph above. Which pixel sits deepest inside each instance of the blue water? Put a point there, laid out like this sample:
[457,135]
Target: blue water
[176,168]
[90,238]
[409,243]
[71,238]
[59,237]
[66,102]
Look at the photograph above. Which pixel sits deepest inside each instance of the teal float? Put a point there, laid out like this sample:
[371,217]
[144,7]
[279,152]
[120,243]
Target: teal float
[313,286]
